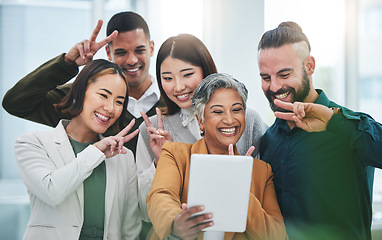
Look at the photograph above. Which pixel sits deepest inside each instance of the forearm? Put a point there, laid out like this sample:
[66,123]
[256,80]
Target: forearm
[33,96]
[363,133]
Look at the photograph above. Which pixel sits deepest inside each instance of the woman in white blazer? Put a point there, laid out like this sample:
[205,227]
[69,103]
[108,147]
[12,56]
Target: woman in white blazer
[81,185]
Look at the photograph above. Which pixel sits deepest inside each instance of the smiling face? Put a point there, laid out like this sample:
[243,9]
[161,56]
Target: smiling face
[179,80]
[285,76]
[132,51]
[103,104]
[224,120]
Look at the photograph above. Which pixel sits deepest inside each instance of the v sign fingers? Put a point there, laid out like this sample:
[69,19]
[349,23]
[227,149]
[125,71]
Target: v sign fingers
[250,151]
[126,130]
[160,125]
[146,119]
[83,52]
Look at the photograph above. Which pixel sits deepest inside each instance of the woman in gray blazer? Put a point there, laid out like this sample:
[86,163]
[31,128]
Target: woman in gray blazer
[81,185]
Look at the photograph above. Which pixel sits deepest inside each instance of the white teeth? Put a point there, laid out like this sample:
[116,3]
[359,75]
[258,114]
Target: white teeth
[132,70]
[281,96]
[183,95]
[228,130]
[104,118]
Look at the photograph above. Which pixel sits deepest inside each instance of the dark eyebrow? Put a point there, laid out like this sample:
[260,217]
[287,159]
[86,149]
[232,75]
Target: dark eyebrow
[237,104]
[285,70]
[104,89]
[279,72]
[216,106]
[186,69]
[120,50]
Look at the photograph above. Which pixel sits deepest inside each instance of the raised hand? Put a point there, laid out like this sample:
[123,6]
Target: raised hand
[113,145]
[84,51]
[248,153]
[186,226]
[310,117]
[157,136]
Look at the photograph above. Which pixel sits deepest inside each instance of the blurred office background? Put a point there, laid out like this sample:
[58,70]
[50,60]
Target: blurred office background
[345,35]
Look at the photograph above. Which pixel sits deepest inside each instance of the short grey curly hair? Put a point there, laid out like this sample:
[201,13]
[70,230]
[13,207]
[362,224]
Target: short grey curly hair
[212,83]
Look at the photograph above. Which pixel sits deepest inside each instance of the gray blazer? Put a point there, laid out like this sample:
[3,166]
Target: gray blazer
[54,177]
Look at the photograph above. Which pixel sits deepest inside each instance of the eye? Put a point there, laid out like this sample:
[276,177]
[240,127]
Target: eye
[266,78]
[188,74]
[140,51]
[239,109]
[119,102]
[284,75]
[120,53]
[103,95]
[167,78]
[217,111]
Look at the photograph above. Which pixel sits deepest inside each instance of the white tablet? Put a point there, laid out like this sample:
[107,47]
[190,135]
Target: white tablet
[222,184]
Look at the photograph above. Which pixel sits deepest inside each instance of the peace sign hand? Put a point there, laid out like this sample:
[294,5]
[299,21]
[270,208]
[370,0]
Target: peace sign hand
[84,51]
[157,136]
[249,152]
[113,145]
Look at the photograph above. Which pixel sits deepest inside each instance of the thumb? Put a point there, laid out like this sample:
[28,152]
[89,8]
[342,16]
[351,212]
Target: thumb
[184,207]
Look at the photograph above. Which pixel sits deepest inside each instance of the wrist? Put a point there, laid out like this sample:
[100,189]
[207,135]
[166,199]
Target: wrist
[68,60]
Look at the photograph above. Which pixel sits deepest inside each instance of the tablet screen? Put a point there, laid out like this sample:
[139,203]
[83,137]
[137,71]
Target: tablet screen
[222,184]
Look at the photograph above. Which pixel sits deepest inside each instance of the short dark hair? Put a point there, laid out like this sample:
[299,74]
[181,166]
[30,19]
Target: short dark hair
[187,48]
[73,102]
[285,33]
[127,21]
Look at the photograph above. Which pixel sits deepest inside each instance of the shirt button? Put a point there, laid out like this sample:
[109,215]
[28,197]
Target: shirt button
[288,137]
[365,128]
[283,161]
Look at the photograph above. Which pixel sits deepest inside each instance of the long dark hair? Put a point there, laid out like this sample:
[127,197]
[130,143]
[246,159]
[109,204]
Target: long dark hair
[187,48]
[72,104]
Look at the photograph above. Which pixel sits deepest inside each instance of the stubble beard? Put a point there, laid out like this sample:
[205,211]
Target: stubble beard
[297,96]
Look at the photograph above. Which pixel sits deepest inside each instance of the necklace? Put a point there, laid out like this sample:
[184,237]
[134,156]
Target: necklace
[70,136]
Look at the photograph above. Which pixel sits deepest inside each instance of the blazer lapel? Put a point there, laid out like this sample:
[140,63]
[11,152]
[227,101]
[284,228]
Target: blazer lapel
[66,151]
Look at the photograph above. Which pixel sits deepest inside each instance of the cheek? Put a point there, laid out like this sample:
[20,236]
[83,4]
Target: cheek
[265,86]
[167,87]
[195,83]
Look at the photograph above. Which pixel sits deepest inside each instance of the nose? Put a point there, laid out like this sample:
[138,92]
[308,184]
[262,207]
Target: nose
[109,106]
[229,118]
[131,59]
[275,84]
[179,85]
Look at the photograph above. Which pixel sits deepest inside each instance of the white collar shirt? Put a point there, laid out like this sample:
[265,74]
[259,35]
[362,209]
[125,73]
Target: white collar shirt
[146,101]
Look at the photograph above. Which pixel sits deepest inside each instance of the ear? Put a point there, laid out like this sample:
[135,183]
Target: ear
[152,48]
[310,65]
[108,52]
[200,123]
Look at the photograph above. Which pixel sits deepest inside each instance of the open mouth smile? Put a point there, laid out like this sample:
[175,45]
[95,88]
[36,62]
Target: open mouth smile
[282,96]
[102,117]
[183,96]
[228,131]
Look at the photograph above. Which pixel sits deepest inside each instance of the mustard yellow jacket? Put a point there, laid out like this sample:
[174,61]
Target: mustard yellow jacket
[170,186]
